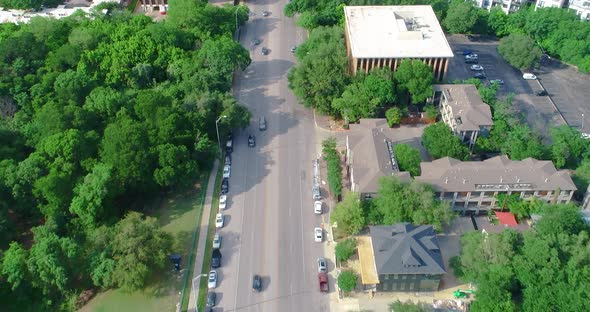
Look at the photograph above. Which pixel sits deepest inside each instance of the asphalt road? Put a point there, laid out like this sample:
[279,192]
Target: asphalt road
[269,219]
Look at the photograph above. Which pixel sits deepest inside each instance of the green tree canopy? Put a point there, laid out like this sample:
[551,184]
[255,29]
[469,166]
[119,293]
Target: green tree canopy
[439,141]
[408,158]
[568,147]
[347,281]
[520,51]
[415,77]
[348,214]
[461,17]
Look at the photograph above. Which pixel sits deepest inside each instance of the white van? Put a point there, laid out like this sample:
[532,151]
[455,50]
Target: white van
[528,76]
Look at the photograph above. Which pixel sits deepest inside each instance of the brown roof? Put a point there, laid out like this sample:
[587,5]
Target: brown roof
[370,154]
[467,105]
[498,173]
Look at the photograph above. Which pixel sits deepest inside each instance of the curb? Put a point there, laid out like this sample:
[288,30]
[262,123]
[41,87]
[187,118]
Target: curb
[553,103]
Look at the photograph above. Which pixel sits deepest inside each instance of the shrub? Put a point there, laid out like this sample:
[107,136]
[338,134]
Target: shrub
[334,169]
[431,111]
[347,281]
[345,249]
[394,116]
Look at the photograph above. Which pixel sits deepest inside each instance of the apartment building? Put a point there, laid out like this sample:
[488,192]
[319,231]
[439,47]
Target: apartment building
[463,111]
[157,5]
[582,8]
[383,36]
[507,6]
[550,4]
[472,186]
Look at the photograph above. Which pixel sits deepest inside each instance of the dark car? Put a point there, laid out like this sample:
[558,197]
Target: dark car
[479,75]
[542,93]
[262,123]
[256,41]
[216,259]
[470,61]
[265,51]
[467,52]
[224,186]
[257,283]
[227,160]
[265,13]
[251,141]
[211,298]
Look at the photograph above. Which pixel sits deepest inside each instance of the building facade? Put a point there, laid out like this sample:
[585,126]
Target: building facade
[463,111]
[582,8]
[384,36]
[154,5]
[472,186]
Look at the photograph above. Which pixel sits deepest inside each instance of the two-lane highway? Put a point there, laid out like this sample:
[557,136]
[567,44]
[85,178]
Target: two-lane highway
[270,218]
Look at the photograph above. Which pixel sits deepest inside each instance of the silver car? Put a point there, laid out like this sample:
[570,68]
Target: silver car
[212,280]
[217,241]
[322,265]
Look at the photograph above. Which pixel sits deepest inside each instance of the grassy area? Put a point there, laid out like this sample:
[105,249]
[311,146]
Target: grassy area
[177,215]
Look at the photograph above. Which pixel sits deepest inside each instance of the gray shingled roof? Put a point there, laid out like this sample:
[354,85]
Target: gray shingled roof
[466,104]
[403,248]
[451,175]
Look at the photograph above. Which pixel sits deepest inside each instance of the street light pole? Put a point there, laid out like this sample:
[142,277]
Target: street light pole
[237,17]
[196,290]
[582,122]
[217,130]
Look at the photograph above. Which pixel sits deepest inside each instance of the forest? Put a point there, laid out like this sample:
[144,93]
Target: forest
[100,115]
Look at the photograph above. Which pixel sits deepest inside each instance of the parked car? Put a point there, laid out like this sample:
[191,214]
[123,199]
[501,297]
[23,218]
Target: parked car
[261,123]
[585,135]
[216,258]
[471,61]
[293,49]
[219,220]
[498,81]
[529,76]
[467,52]
[211,298]
[256,41]
[317,207]
[479,75]
[264,51]
[265,13]
[224,186]
[472,55]
[318,234]
[226,171]
[217,241]
[322,265]
[222,202]
[541,93]
[251,141]
[256,283]
[229,146]
[476,67]
[212,280]
[227,160]
[323,281]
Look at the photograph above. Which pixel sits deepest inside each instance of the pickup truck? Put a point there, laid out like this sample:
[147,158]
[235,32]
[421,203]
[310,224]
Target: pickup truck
[323,280]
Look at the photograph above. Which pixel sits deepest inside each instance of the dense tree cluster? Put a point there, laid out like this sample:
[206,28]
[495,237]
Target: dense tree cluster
[542,268]
[332,158]
[29,4]
[440,141]
[408,158]
[96,113]
[349,215]
[520,51]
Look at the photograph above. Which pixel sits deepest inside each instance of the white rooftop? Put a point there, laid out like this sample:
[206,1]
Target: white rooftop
[407,31]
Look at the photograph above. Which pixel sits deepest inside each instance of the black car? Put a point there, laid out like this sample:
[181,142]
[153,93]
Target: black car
[211,298]
[251,141]
[542,93]
[470,61]
[265,51]
[216,259]
[479,75]
[257,283]
[256,41]
[225,186]
[227,160]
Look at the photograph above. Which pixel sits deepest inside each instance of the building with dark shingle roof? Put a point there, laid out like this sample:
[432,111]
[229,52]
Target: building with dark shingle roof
[407,257]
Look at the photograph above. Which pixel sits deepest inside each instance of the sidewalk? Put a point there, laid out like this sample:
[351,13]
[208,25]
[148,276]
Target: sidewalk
[203,228]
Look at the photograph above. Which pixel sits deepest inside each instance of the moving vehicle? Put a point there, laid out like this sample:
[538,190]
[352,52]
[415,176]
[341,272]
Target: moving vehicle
[322,265]
[222,202]
[212,280]
[529,76]
[211,298]
[224,186]
[219,220]
[498,81]
[317,207]
[541,93]
[251,141]
[216,241]
[226,171]
[256,283]
[476,67]
[265,51]
[318,234]
[216,258]
[261,123]
[323,281]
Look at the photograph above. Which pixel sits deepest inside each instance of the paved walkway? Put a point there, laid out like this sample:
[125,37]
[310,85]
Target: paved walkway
[203,229]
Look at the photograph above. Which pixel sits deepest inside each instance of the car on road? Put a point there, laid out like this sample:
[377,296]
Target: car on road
[251,141]
[217,241]
[293,49]
[498,81]
[470,61]
[317,207]
[322,265]
[216,258]
[317,195]
[318,235]
[224,186]
[211,299]
[261,123]
[264,51]
[256,283]
[222,202]
[529,76]
[541,93]
[227,160]
[467,52]
[226,171]
[472,56]
[212,280]
[265,13]
[229,145]
[476,67]
[219,220]
[256,41]
[479,75]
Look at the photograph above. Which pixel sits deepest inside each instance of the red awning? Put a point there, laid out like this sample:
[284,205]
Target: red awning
[506,218]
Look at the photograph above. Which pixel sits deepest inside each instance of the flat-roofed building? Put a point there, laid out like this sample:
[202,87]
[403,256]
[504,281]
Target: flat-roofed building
[383,36]
[463,111]
[473,185]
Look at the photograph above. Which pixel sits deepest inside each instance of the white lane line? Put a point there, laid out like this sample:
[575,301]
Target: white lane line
[303,234]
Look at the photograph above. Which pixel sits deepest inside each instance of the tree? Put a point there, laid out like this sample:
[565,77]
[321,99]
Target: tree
[562,218]
[94,194]
[519,51]
[139,247]
[581,176]
[408,158]
[415,77]
[439,141]
[409,306]
[14,265]
[348,214]
[332,159]
[498,21]
[347,281]
[461,17]
[522,143]
[567,147]
[394,116]
[345,249]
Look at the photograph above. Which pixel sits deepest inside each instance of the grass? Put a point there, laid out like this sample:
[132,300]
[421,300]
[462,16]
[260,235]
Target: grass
[177,215]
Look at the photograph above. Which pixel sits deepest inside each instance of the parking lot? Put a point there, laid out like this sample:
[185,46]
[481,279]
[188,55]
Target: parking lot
[538,111]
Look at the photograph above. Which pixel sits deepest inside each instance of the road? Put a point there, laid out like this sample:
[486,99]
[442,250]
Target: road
[270,219]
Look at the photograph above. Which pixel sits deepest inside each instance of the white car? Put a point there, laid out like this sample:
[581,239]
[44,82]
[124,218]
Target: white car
[212,280]
[216,241]
[476,67]
[219,220]
[585,135]
[528,76]
[226,171]
[471,56]
[318,235]
[317,207]
[222,202]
